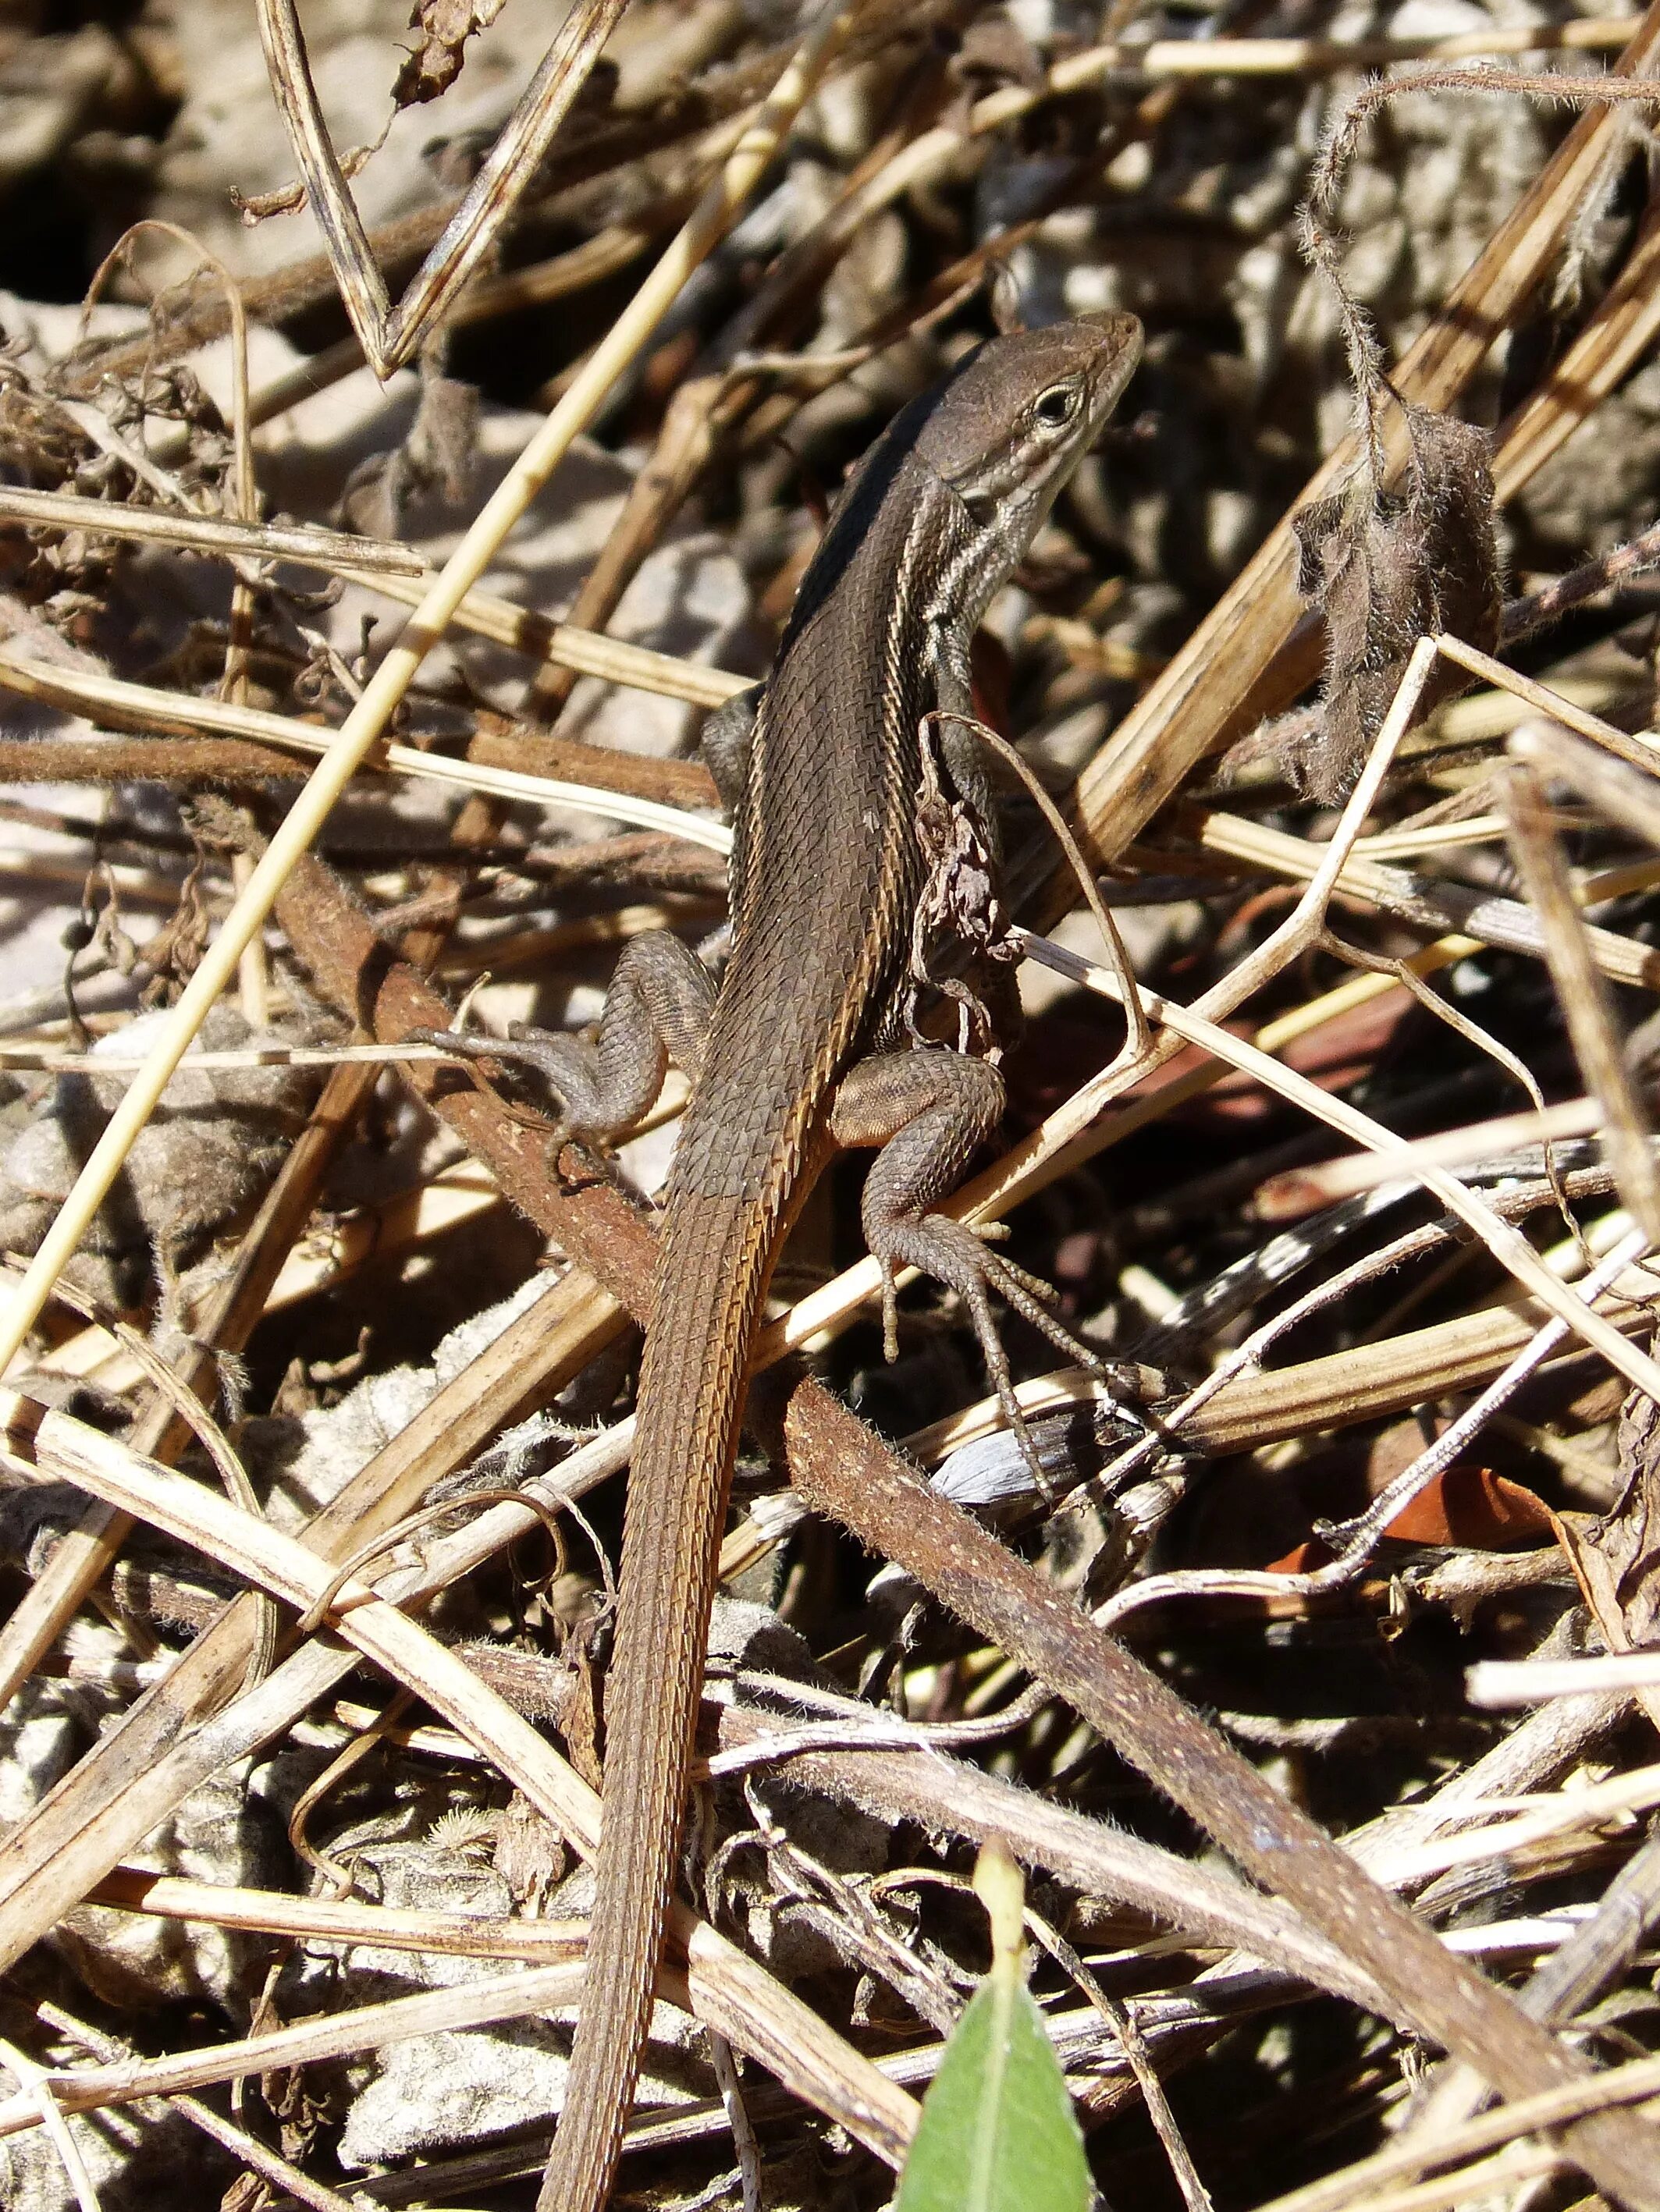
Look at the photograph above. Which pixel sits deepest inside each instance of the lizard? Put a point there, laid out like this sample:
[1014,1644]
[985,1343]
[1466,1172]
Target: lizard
[824,767]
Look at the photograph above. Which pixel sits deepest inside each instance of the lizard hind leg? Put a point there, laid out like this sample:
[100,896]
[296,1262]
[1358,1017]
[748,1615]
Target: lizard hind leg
[930,1110]
[657,1009]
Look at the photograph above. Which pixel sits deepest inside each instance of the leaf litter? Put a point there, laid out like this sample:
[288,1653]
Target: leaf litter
[321,1945]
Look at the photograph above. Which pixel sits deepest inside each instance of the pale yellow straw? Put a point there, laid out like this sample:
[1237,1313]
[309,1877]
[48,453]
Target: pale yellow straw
[370,717]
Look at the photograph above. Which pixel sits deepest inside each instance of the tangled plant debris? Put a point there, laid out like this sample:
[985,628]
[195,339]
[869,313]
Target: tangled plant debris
[1339,659]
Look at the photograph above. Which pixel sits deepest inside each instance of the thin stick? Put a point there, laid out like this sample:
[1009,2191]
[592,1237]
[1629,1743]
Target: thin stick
[145,702]
[1622,2085]
[389,335]
[368,717]
[1640,749]
[36,2089]
[1201,58]
[331,550]
[739,1999]
[39,1059]
[1302,1190]
[1627,795]
[1507,1245]
[1586,1002]
[325,2035]
[1138,1043]
[1497,1685]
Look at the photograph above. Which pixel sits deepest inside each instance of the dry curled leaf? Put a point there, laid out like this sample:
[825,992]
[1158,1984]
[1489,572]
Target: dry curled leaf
[445,27]
[1385,571]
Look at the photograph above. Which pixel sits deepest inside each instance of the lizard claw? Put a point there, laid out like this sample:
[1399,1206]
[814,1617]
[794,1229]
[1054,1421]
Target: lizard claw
[956,1255]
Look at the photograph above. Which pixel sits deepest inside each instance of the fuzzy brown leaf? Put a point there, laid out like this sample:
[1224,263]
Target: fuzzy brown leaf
[445,27]
[1385,572]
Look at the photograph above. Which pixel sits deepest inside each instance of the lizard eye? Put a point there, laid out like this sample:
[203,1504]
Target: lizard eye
[1056,408]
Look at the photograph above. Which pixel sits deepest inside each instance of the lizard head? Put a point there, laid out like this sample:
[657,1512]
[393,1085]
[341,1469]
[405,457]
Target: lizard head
[1013,424]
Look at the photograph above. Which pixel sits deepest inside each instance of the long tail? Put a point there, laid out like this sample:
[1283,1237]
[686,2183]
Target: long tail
[711,1279]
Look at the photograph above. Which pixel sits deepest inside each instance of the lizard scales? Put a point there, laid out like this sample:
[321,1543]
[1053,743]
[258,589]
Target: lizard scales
[826,872]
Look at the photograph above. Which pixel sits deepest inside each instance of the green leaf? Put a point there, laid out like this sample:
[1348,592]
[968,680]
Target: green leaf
[997,2132]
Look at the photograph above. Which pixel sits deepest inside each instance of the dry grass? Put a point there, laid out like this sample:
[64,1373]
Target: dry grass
[1381,1401]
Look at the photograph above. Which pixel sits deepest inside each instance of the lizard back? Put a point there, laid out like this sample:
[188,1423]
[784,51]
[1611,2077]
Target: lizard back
[826,865]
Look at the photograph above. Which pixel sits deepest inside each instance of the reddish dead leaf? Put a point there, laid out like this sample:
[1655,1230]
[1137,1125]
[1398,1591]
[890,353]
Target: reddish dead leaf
[1468,1507]
[1474,1508]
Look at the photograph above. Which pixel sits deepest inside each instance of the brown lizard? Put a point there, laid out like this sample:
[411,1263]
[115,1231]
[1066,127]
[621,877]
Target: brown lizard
[795,1055]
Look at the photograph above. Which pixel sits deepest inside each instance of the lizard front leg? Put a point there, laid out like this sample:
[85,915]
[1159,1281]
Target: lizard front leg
[930,1110]
[727,734]
[657,1009]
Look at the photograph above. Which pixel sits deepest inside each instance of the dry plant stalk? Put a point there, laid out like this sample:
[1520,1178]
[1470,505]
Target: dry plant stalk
[390,335]
[398,669]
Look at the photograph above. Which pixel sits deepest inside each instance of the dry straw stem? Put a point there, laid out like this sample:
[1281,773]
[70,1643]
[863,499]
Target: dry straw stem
[386,335]
[398,572]
[39,2106]
[1625,794]
[1587,1007]
[1435,904]
[393,1928]
[611,659]
[367,719]
[141,702]
[1616,338]
[1224,676]
[1195,57]
[332,550]
[1303,1190]
[1500,1684]
[1369,1381]
[1353,2186]
[790,2040]
[1508,1247]
[1638,750]
[41,1058]
[587,653]
[307,2042]
[263,2160]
